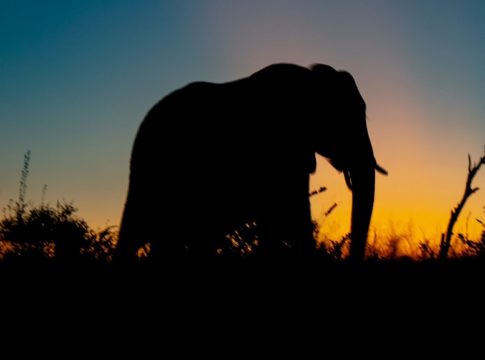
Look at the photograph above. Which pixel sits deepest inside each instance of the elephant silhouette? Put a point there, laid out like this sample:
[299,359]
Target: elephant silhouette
[210,157]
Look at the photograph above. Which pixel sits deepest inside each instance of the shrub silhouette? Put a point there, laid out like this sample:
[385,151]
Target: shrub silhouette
[53,232]
[46,231]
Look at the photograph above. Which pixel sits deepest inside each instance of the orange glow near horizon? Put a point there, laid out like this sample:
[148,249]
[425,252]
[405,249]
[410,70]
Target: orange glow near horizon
[77,81]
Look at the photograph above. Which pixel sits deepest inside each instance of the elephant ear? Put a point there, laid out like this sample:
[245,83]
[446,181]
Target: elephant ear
[349,90]
[337,164]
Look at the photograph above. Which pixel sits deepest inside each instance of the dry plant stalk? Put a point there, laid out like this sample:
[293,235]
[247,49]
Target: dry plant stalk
[455,213]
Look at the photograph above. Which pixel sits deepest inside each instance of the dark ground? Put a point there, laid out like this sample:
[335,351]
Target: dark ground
[251,308]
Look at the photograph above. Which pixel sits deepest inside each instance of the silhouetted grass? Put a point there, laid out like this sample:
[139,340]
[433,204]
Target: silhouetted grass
[49,234]
[56,238]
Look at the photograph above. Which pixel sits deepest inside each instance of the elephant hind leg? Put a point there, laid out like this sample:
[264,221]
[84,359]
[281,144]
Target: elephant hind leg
[130,239]
[287,238]
[286,227]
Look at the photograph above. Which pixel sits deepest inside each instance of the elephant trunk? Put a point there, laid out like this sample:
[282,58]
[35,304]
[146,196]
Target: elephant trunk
[362,177]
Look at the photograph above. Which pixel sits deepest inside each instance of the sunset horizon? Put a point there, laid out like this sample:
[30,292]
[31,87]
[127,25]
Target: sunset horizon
[78,79]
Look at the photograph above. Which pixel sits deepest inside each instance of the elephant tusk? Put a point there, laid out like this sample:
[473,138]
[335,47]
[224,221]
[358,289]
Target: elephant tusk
[380,169]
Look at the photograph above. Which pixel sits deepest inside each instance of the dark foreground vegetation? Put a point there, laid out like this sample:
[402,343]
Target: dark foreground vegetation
[54,266]
[47,243]
[56,234]
[47,249]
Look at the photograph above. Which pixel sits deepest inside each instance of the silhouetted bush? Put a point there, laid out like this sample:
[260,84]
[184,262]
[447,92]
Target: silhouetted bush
[53,232]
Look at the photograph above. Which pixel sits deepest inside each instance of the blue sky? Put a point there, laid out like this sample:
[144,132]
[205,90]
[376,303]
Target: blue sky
[77,77]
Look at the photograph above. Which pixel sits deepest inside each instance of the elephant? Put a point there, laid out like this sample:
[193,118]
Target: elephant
[211,157]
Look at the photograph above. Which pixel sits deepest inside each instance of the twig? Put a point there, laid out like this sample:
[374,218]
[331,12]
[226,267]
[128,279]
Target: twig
[330,209]
[316,192]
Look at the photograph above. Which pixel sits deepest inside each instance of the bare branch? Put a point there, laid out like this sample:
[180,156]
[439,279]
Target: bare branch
[455,213]
[316,192]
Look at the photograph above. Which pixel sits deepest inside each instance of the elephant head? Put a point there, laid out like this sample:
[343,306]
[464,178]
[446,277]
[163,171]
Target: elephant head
[345,142]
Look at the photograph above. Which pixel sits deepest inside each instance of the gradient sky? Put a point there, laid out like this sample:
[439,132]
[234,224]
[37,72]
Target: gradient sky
[77,77]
